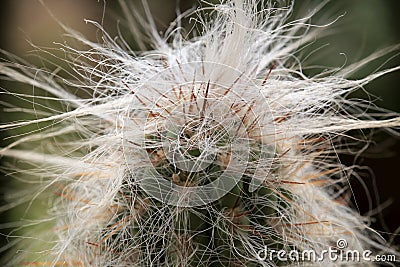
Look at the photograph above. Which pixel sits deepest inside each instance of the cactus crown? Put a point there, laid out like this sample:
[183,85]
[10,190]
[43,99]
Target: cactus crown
[200,152]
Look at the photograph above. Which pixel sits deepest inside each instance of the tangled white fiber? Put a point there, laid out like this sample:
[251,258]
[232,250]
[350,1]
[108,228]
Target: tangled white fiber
[200,152]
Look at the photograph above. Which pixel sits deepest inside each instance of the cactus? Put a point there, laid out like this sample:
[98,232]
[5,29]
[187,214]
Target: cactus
[201,152]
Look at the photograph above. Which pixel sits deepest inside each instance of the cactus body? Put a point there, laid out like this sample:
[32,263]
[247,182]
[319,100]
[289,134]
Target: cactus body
[201,152]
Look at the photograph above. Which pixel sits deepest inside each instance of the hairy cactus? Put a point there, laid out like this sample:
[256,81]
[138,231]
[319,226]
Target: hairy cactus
[200,152]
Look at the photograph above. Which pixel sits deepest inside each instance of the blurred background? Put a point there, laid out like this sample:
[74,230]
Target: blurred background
[365,26]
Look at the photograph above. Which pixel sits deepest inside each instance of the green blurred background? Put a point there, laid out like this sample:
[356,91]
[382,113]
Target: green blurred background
[366,26]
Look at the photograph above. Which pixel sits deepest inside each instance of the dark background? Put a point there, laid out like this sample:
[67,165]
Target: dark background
[367,25]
